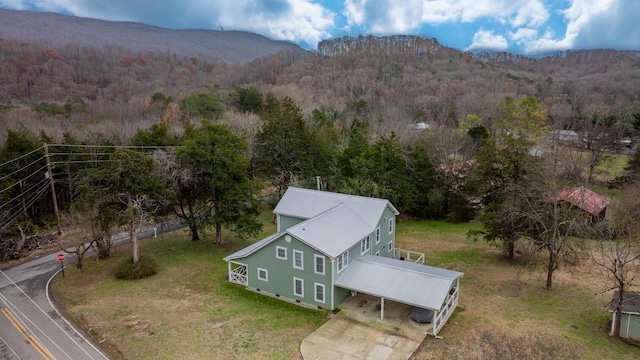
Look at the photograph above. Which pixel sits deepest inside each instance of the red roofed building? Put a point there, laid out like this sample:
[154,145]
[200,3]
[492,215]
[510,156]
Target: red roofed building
[586,200]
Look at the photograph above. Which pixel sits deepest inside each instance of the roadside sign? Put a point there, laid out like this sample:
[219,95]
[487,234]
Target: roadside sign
[61,257]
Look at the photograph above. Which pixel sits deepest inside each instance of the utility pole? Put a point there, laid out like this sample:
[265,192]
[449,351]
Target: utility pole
[49,175]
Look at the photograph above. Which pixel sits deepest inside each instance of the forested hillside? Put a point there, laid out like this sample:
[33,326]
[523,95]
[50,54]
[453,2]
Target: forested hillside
[402,117]
[395,82]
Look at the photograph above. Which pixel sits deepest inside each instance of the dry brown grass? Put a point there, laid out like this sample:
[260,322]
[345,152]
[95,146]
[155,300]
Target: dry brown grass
[188,310]
[506,313]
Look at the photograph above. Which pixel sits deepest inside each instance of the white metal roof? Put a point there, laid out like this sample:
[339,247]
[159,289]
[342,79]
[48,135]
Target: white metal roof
[333,222]
[409,283]
[251,248]
[332,232]
[306,203]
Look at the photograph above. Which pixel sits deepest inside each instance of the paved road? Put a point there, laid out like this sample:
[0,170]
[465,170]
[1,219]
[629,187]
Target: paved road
[30,328]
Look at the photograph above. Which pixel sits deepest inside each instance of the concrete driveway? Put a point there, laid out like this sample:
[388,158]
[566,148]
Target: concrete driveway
[357,332]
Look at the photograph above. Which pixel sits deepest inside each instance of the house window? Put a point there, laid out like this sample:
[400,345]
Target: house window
[343,260]
[365,244]
[298,287]
[377,235]
[319,263]
[263,274]
[390,225]
[319,293]
[281,252]
[297,260]
[389,246]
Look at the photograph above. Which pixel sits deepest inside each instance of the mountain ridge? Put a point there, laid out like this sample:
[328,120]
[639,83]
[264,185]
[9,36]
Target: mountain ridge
[229,46]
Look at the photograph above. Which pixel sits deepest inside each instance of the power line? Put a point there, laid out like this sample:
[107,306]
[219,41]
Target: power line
[29,196]
[21,156]
[27,177]
[37,185]
[22,168]
[118,146]
[32,201]
[80,161]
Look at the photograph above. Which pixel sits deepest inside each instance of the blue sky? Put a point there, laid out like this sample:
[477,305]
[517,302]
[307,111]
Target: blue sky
[518,26]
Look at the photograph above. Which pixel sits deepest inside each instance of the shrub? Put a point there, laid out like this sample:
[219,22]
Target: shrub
[127,270]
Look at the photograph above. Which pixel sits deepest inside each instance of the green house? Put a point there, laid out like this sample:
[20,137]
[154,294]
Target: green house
[330,246]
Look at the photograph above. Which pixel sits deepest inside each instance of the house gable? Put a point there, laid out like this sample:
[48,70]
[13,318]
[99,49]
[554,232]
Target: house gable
[287,221]
[306,204]
[299,261]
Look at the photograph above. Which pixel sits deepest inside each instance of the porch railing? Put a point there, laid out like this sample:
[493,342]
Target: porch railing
[238,275]
[408,255]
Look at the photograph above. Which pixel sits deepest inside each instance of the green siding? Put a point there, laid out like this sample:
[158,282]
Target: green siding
[281,272]
[630,326]
[286,222]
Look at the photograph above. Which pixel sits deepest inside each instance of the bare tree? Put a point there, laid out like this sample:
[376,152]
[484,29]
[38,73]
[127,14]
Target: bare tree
[551,225]
[86,237]
[599,138]
[617,250]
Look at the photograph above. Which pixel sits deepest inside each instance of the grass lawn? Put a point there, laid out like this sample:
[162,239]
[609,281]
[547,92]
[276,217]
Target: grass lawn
[189,311]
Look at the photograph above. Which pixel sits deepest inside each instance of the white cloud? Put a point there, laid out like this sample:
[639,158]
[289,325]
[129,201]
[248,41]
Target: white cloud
[294,20]
[302,20]
[389,16]
[488,40]
[594,24]
[523,35]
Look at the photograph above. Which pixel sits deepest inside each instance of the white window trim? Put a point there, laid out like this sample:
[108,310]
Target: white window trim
[365,245]
[301,286]
[315,264]
[295,252]
[377,235]
[266,272]
[390,246]
[390,225]
[378,253]
[345,260]
[315,292]
[285,252]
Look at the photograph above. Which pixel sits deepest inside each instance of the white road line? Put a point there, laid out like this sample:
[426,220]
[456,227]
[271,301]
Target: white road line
[67,321]
[20,316]
[50,318]
[9,347]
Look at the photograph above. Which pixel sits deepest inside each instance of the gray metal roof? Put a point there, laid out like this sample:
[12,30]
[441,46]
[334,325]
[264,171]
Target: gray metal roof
[409,283]
[630,302]
[334,222]
[251,248]
[332,232]
[306,203]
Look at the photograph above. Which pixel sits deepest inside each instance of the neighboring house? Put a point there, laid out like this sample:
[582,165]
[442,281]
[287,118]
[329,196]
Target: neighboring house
[330,246]
[630,315]
[565,136]
[595,205]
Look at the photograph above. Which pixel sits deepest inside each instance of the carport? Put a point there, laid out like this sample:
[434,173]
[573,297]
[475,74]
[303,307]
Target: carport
[423,286]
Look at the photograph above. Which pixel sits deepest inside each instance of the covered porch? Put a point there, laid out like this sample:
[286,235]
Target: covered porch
[392,282]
